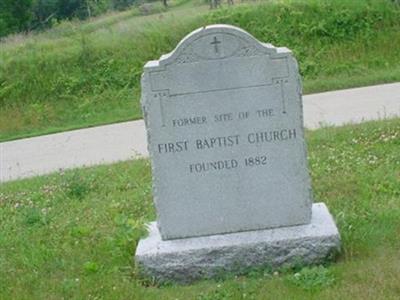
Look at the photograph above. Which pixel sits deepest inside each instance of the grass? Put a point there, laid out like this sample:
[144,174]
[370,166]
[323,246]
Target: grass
[72,235]
[85,74]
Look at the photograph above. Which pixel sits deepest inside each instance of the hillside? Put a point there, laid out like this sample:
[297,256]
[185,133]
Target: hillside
[85,74]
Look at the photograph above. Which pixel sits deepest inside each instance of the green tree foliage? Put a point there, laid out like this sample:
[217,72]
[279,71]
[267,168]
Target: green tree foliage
[26,15]
[121,4]
[44,12]
[15,15]
[67,9]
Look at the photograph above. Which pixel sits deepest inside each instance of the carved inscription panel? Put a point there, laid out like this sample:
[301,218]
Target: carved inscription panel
[224,121]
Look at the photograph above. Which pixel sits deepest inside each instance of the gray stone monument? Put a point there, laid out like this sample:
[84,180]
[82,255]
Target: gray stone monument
[224,121]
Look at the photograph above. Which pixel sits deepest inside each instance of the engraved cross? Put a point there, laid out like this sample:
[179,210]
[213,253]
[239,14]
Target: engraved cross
[215,43]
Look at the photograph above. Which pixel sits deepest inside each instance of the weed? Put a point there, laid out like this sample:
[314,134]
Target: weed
[91,267]
[76,186]
[310,278]
[33,216]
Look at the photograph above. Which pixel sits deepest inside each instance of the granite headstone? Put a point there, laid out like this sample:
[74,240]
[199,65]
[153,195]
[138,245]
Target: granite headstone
[223,114]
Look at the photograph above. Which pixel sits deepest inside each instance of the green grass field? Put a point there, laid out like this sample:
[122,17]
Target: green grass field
[85,74]
[73,235]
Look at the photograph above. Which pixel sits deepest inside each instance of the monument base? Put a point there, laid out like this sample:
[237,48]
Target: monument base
[189,259]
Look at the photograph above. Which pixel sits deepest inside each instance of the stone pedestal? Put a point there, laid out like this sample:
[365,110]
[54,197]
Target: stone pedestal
[189,259]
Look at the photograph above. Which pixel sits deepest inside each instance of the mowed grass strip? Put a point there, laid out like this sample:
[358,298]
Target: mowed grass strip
[73,235]
[80,75]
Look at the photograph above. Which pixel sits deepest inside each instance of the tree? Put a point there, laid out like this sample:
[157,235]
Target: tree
[15,15]
[26,15]
[215,4]
[122,4]
[44,11]
[67,9]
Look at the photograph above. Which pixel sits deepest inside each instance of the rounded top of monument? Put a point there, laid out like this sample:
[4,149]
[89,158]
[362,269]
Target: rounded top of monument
[218,41]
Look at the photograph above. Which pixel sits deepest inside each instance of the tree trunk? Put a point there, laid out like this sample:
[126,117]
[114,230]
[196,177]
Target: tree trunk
[89,12]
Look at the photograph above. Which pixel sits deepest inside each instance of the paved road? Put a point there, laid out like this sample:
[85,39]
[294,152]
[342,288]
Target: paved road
[123,141]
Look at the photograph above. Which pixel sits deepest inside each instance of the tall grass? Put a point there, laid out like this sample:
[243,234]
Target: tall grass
[85,76]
